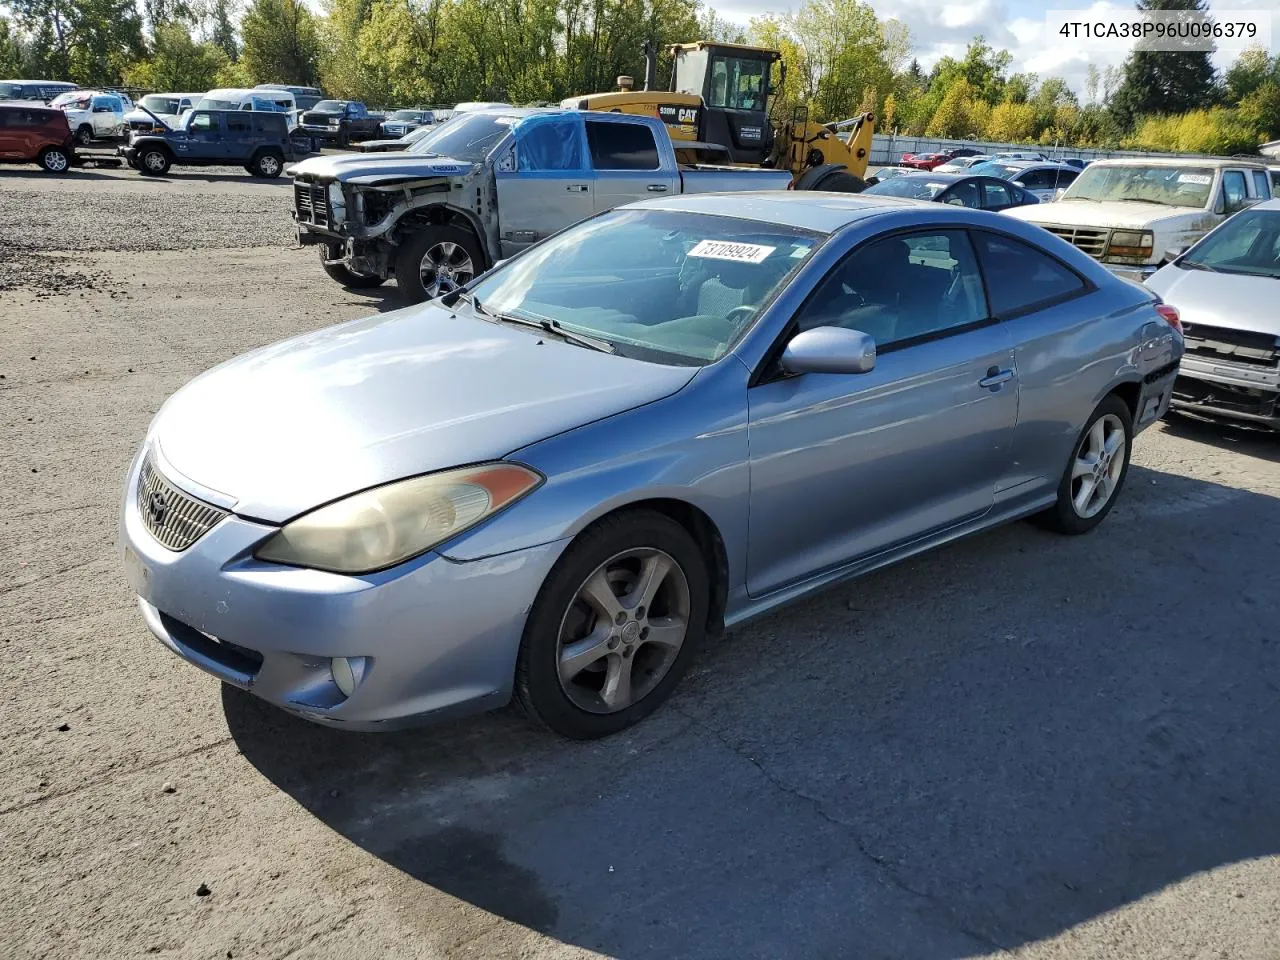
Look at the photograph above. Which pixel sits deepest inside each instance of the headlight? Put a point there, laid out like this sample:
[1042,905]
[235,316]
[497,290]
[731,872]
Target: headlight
[337,202]
[1131,243]
[387,525]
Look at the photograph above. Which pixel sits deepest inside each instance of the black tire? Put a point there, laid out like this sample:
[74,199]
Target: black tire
[408,262]
[344,137]
[344,274]
[84,135]
[538,688]
[154,161]
[841,181]
[1063,516]
[268,164]
[54,160]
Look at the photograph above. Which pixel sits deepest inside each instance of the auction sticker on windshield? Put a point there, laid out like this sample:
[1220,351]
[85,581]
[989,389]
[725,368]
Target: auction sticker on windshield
[1200,178]
[724,250]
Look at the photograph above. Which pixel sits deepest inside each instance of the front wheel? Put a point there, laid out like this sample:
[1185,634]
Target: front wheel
[84,135]
[344,274]
[435,261]
[614,627]
[153,161]
[1095,474]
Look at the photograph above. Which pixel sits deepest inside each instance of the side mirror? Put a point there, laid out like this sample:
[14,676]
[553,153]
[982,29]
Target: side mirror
[829,350]
[1173,253]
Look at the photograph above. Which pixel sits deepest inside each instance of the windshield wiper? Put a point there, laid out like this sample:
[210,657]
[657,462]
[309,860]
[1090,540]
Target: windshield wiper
[548,325]
[1197,265]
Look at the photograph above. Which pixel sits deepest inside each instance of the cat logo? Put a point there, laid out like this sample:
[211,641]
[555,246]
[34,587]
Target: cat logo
[675,114]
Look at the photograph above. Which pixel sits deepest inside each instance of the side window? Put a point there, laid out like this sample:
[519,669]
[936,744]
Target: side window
[545,144]
[621,146]
[1260,185]
[357,110]
[203,122]
[1020,278]
[1034,180]
[1234,190]
[901,288]
[995,194]
[964,195]
[237,124]
[1275,181]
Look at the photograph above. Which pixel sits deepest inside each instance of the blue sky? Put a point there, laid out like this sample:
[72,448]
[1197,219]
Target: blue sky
[944,27]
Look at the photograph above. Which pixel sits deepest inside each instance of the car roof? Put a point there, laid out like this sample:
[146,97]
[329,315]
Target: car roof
[29,105]
[1180,162]
[808,210]
[946,176]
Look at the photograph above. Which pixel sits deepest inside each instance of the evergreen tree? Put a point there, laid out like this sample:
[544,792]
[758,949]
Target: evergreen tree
[1165,81]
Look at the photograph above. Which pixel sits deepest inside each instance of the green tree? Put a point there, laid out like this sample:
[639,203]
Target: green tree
[954,116]
[281,44]
[87,41]
[177,62]
[1164,81]
[12,56]
[1251,70]
[222,32]
[982,67]
[1261,111]
[1020,87]
[846,50]
[1012,122]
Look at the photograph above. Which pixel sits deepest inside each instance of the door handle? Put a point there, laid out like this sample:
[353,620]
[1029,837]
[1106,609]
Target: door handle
[995,376]
[657,188]
[577,188]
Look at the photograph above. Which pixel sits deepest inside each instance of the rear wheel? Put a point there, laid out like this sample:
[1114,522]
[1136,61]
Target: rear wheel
[84,135]
[344,274]
[614,627]
[55,160]
[267,164]
[1096,472]
[154,161]
[439,259]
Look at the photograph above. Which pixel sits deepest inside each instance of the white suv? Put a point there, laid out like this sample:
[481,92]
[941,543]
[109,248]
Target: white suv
[92,114]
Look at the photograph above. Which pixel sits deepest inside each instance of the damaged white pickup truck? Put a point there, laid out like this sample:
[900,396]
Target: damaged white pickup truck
[485,186]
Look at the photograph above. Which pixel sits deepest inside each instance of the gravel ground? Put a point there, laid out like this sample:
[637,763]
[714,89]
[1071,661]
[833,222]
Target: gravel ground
[1018,746]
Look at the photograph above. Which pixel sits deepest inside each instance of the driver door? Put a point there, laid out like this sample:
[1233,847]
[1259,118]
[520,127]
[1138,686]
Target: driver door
[845,466]
[544,180]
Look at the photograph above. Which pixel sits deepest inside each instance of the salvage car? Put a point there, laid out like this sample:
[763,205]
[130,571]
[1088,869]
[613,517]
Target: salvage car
[92,115]
[486,185]
[393,146]
[980,193]
[257,140]
[1225,289]
[1128,212]
[556,483]
[33,133]
[1044,179]
[400,122]
[341,122]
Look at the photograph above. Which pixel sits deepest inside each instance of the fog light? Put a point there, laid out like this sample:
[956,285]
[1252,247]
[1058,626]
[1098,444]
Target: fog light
[347,673]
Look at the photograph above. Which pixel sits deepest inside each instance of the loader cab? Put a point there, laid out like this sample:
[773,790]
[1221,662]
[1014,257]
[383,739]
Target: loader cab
[733,82]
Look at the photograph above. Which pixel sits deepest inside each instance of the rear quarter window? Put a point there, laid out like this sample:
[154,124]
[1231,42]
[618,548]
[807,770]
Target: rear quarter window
[1021,279]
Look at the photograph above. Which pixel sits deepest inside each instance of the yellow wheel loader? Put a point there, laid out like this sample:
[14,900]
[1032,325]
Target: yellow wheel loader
[717,111]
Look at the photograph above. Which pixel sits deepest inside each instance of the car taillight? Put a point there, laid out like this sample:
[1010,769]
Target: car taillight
[1170,315]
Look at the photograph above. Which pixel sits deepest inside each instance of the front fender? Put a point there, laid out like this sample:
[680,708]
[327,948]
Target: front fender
[690,446]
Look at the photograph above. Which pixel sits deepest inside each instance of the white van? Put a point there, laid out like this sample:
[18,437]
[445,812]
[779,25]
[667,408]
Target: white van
[231,98]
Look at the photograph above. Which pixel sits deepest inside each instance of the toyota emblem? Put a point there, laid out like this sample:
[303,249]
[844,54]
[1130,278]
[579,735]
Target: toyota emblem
[158,507]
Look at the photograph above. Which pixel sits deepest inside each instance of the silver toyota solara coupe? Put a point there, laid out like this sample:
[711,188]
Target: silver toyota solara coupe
[554,484]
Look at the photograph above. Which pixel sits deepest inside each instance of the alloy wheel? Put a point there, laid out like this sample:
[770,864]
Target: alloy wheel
[55,161]
[269,166]
[154,161]
[445,266]
[1098,465]
[623,630]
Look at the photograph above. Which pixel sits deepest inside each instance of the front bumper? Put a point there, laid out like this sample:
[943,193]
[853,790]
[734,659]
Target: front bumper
[1137,273]
[441,637]
[1231,391]
[319,132]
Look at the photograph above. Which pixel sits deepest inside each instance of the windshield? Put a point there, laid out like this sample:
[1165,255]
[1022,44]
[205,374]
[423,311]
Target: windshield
[914,188]
[405,115]
[158,104]
[328,106]
[413,136]
[660,285]
[12,91]
[208,104]
[1247,243]
[468,137]
[1171,186]
[993,168]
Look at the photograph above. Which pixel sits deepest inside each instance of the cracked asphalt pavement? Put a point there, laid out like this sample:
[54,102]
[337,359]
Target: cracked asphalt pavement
[1017,746]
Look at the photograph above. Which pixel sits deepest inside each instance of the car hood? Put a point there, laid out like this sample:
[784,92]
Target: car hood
[1230,300]
[300,423]
[1085,213]
[358,166]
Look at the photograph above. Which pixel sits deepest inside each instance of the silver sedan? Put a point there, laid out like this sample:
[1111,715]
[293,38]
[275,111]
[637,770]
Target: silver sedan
[555,484]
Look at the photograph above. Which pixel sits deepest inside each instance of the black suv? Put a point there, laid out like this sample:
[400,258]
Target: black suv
[258,140]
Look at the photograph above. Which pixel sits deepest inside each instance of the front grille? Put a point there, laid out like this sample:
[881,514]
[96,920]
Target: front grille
[1224,345]
[311,203]
[1089,239]
[174,518]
